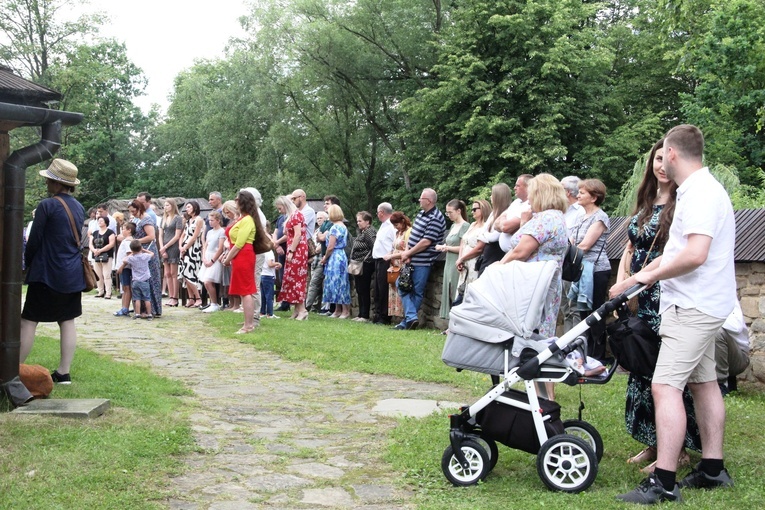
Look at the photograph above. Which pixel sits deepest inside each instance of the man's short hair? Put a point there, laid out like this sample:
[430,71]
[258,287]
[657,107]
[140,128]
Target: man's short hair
[571,185]
[385,207]
[103,206]
[216,194]
[145,195]
[525,178]
[687,140]
[333,199]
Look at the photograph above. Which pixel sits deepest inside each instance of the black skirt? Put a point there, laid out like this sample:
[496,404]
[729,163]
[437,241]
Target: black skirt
[44,304]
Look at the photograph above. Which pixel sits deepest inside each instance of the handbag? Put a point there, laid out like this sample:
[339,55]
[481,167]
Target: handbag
[88,273]
[634,343]
[632,304]
[355,267]
[405,281]
[393,272]
[572,263]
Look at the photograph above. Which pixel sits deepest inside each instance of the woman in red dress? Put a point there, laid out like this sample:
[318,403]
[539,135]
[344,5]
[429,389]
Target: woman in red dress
[296,262]
[242,258]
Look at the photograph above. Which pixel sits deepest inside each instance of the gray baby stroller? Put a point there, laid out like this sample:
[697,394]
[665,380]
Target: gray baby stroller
[492,332]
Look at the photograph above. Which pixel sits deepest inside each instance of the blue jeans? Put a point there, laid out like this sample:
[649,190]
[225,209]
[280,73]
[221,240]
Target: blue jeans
[413,300]
[267,295]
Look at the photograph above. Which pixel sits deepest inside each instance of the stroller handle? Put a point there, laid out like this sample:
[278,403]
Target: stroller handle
[615,303]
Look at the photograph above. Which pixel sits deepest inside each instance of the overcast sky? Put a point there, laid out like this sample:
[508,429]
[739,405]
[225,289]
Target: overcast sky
[163,37]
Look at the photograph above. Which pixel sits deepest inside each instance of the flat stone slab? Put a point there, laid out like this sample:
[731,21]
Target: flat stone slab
[66,408]
[416,408]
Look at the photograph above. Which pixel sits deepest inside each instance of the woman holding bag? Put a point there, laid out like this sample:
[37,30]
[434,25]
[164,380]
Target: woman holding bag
[648,231]
[54,274]
[403,226]
[361,252]
[102,244]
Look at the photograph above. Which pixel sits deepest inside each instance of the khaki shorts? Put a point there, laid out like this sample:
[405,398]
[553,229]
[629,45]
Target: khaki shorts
[687,352]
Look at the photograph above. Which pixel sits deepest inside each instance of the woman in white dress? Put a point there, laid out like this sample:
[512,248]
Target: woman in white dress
[212,267]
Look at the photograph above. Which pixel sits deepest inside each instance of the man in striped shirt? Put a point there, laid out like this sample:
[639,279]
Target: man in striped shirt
[428,230]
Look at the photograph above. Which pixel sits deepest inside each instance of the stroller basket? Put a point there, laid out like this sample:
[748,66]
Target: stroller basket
[513,426]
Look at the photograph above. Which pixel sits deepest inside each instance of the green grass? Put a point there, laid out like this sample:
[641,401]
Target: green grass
[417,445]
[122,459]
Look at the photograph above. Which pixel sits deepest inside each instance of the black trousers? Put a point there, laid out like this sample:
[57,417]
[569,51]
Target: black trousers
[364,287]
[381,291]
[597,342]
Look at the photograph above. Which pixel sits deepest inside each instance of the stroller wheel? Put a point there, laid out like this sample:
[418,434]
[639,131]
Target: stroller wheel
[478,460]
[567,463]
[491,448]
[590,434]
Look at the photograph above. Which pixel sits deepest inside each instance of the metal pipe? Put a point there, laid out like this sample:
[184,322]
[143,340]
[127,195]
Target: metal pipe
[14,173]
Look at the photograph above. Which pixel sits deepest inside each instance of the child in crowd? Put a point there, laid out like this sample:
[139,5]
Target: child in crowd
[128,229]
[138,261]
[267,282]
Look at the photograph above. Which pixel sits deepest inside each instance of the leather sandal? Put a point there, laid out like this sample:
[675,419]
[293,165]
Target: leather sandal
[646,455]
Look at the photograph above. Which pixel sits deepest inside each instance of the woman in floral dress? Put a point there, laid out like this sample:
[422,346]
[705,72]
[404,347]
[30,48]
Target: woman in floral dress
[295,277]
[337,286]
[191,254]
[403,226]
[648,231]
[543,236]
[146,233]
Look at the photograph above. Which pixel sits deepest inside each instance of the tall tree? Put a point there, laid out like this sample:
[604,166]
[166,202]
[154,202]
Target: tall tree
[33,36]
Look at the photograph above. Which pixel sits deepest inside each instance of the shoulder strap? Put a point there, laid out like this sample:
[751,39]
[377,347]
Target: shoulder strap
[71,220]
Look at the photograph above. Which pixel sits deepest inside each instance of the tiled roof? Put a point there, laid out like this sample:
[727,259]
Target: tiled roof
[750,236]
[15,89]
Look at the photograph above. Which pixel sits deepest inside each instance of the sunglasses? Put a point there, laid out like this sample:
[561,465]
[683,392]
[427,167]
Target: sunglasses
[474,209]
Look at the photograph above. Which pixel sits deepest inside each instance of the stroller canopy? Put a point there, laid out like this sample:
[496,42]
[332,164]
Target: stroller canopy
[507,300]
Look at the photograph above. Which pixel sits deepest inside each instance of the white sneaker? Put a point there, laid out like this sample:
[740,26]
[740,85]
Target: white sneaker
[273,316]
[212,308]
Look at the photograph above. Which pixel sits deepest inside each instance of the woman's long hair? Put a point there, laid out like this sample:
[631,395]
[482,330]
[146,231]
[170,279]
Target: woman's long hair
[173,211]
[247,205]
[500,201]
[458,205]
[647,194]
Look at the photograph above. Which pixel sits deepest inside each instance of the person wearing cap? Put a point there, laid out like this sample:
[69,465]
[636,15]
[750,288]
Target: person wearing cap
[54,267]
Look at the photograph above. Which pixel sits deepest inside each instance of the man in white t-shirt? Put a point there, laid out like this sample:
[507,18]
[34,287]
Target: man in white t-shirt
[698,291]
[301,202]
[509,221]
[572,216]
[386,235]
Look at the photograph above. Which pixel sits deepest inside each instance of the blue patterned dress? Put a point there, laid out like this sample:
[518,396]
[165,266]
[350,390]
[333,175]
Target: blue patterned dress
[549,229]
[337,286]
[155,279]
[639,410]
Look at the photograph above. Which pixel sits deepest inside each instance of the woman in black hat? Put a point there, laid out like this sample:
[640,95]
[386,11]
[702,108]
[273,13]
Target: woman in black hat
[54,266]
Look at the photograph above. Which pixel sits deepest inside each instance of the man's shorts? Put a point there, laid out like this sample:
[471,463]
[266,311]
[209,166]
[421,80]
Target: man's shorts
[141,291]
[687,352]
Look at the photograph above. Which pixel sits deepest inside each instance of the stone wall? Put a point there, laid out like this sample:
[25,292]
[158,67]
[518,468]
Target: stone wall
[750,282]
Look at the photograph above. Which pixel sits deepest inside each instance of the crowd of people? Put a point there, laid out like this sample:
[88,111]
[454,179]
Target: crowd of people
[308,262]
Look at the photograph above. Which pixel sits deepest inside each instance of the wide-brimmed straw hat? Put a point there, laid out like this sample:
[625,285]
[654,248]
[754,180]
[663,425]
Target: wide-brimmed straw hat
[61,170]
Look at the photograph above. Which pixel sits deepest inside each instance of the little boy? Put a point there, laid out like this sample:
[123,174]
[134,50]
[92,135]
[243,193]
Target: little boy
[267,279]
[138,260]
[126,277]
